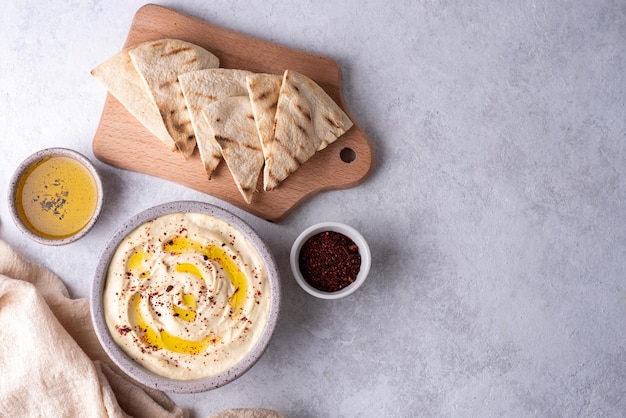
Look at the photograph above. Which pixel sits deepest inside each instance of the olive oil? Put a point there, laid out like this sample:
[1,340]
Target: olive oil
[163,339]
[56,197]
[236,276]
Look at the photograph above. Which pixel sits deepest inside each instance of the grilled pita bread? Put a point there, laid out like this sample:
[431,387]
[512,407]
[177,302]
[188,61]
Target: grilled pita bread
[202,88]
[121,79]
[159,63]
[263,90]
[233,125]
[307,120]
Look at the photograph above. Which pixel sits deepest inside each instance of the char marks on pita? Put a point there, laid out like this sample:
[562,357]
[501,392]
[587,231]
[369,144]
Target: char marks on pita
[263,90]
[201,88]
[159,63]
[307,120]
[233,126]
[255,121]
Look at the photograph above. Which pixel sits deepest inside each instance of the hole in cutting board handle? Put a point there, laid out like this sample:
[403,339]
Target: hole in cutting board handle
[347,155]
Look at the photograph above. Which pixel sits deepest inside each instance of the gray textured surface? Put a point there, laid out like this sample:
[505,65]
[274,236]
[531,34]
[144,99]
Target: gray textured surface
[495,211]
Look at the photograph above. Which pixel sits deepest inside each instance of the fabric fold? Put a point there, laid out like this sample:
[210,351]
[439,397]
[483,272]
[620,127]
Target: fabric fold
[52,363]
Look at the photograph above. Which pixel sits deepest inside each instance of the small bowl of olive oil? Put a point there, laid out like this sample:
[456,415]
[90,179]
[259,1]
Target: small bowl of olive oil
[55,196]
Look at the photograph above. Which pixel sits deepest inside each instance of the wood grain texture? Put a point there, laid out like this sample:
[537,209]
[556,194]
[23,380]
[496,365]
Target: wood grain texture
[122,141]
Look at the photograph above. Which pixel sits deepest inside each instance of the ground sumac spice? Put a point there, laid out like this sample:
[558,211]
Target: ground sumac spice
[329,261]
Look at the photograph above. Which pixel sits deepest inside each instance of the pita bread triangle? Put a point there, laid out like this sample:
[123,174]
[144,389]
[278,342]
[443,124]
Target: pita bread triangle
[201,88]
[120,77]
[159,63]
[263,90]
[307,120]
[233,125]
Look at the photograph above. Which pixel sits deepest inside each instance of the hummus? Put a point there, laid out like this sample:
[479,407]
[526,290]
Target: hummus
[186,296]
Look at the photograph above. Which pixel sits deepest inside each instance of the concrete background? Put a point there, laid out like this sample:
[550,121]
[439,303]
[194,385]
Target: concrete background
[496,208]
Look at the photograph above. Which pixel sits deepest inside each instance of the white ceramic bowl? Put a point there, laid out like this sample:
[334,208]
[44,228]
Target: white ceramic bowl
[346,230]
[134,369]
[23,169]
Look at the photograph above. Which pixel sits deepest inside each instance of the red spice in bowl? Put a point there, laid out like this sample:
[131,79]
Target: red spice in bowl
[329,261]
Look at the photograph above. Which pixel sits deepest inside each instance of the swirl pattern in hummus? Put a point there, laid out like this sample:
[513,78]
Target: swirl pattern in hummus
[186,296]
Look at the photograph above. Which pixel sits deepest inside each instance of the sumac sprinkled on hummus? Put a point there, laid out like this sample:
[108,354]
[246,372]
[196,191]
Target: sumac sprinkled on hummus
[329,261]
[188,303]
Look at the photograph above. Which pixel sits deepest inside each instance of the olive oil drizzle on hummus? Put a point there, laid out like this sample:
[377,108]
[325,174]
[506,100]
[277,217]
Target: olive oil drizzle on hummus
[162,339]
[186,295]
[179,245]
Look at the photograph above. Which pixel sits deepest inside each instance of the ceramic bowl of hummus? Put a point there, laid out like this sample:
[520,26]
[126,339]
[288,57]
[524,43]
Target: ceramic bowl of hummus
[185,297]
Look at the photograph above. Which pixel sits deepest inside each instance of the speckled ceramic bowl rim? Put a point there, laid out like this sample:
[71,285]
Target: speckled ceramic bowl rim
[25,165]
[350,232]
[133,368]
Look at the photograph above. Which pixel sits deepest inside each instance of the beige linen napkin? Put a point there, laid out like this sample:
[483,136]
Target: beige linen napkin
[51,363]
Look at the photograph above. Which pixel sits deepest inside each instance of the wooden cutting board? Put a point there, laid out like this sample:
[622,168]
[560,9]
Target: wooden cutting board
[121,141]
